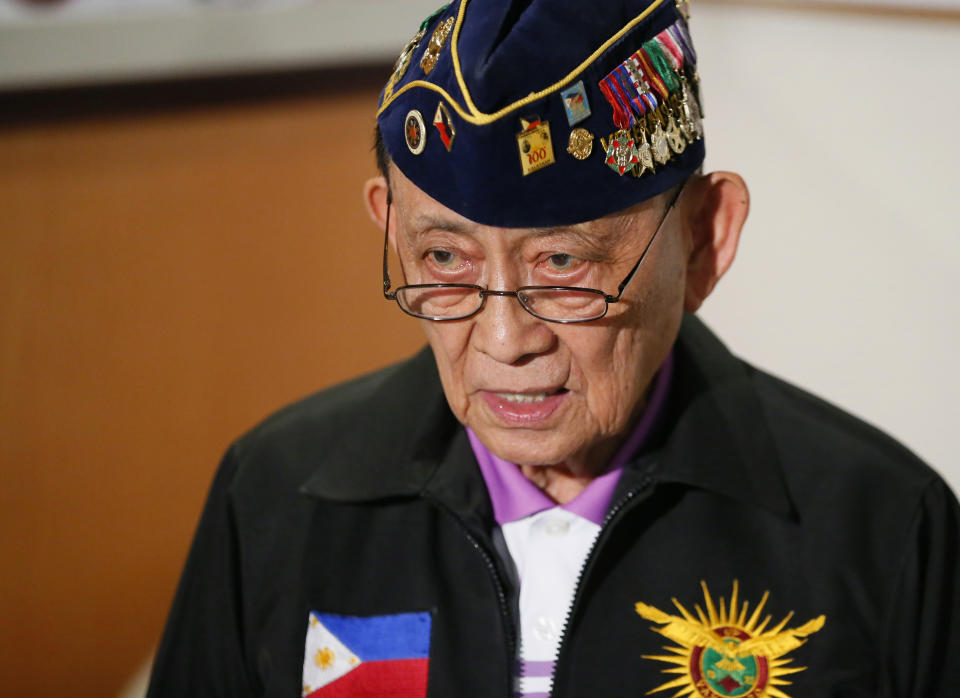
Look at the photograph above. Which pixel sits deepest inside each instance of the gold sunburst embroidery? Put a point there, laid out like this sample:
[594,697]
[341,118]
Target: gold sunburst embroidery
[324,658]
[724,654]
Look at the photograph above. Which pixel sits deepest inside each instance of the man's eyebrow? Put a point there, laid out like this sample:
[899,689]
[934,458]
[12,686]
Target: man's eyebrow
[598,240]
[423,222]
[594,240]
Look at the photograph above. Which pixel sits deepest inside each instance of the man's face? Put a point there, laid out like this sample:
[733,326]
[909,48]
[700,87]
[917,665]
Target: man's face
[536,392]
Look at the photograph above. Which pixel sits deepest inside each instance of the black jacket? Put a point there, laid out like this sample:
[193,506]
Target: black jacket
[365,499]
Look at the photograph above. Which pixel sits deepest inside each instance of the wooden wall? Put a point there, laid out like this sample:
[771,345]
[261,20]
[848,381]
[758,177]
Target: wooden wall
[174,264]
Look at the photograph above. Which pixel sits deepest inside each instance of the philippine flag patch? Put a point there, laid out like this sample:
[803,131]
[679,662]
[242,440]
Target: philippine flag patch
[367,655]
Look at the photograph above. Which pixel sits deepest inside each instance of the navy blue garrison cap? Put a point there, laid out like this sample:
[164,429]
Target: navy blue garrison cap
[531,113]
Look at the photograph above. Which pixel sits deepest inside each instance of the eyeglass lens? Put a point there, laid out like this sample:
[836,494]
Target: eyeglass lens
[457,302]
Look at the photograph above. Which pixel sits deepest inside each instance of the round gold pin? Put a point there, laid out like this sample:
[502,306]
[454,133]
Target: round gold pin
[580,144]
[415,131]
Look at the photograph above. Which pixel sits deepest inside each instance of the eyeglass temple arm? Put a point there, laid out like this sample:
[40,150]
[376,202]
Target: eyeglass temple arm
[386,245]
[623,284]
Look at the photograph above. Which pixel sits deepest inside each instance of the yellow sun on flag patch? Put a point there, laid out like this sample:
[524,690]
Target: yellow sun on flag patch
[324,658]
[724,654]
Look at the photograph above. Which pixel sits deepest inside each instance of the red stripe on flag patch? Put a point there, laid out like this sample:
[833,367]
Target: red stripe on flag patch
[390,678]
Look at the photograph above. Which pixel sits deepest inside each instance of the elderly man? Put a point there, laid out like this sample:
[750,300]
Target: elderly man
[577,491]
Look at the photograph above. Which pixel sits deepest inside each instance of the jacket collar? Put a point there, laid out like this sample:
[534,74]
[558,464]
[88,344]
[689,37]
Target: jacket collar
[400,432]
[406,442]
[717,437]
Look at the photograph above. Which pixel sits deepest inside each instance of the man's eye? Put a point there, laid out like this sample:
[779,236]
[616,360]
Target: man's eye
[562,262]
[442,258]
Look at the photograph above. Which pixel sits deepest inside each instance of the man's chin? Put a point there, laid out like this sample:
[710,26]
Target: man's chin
[523,446]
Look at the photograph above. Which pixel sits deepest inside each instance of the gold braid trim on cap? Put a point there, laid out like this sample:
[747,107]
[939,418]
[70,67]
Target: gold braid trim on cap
[474,116]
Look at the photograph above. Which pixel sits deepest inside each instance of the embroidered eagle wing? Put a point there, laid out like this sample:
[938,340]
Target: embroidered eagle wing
[679,629]
[779,643]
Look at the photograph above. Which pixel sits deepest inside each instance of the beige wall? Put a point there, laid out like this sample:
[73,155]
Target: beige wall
[844,126]
[166,279]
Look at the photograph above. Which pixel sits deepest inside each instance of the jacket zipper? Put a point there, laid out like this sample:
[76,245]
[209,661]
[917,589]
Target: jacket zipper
[505,615]
[605,529]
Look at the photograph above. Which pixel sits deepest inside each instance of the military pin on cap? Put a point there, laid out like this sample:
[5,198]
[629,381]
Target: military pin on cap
[575,103]
[622,155]
[658,141]
[444,124]
[691,119]
[580,144]
[415,132]
[675,137]
[536,147]
[403,62]
[644,152]
[432,53]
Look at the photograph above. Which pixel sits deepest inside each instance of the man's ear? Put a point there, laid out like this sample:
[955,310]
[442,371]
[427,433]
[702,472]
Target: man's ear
[721,202]
[375,192]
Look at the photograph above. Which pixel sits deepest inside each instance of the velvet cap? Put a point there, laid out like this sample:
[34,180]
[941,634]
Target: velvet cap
[533,113]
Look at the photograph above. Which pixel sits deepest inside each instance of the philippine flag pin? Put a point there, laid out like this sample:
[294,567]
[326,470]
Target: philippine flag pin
[444,124]
[575,103]
[385,656]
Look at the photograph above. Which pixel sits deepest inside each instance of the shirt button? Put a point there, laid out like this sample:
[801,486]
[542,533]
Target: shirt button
[546,628]
[557,527]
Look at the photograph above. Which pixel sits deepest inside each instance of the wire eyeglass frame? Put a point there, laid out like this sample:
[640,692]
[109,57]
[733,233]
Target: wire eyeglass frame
[522,291]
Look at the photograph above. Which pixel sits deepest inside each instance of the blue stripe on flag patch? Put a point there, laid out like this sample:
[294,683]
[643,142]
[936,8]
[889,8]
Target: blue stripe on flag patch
[373,638]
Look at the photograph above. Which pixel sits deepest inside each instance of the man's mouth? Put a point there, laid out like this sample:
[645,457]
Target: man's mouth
[529,397]
[526,408]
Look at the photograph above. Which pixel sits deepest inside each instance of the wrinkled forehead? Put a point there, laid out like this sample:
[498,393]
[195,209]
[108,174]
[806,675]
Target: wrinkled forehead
[420,216]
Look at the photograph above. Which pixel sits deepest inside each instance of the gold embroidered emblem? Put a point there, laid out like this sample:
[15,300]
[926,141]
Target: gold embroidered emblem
[722,653]
[437,40]
[324,658]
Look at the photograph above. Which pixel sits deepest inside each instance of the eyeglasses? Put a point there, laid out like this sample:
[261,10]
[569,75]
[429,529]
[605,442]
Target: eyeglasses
[563,304]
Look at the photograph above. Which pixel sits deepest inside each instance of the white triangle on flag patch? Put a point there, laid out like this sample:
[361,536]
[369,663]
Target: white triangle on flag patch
[325,658]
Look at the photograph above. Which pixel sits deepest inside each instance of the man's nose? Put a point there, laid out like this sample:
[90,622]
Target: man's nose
[508,333]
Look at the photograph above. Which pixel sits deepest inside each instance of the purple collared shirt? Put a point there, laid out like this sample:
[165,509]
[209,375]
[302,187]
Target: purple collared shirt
[514,497]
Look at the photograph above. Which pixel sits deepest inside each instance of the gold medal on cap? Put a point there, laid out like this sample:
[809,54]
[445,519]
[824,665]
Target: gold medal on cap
[644,152]
[675,137]
[691,119]
[403,62]
[536,147]
[661,148]
[580,144]
[437,41]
